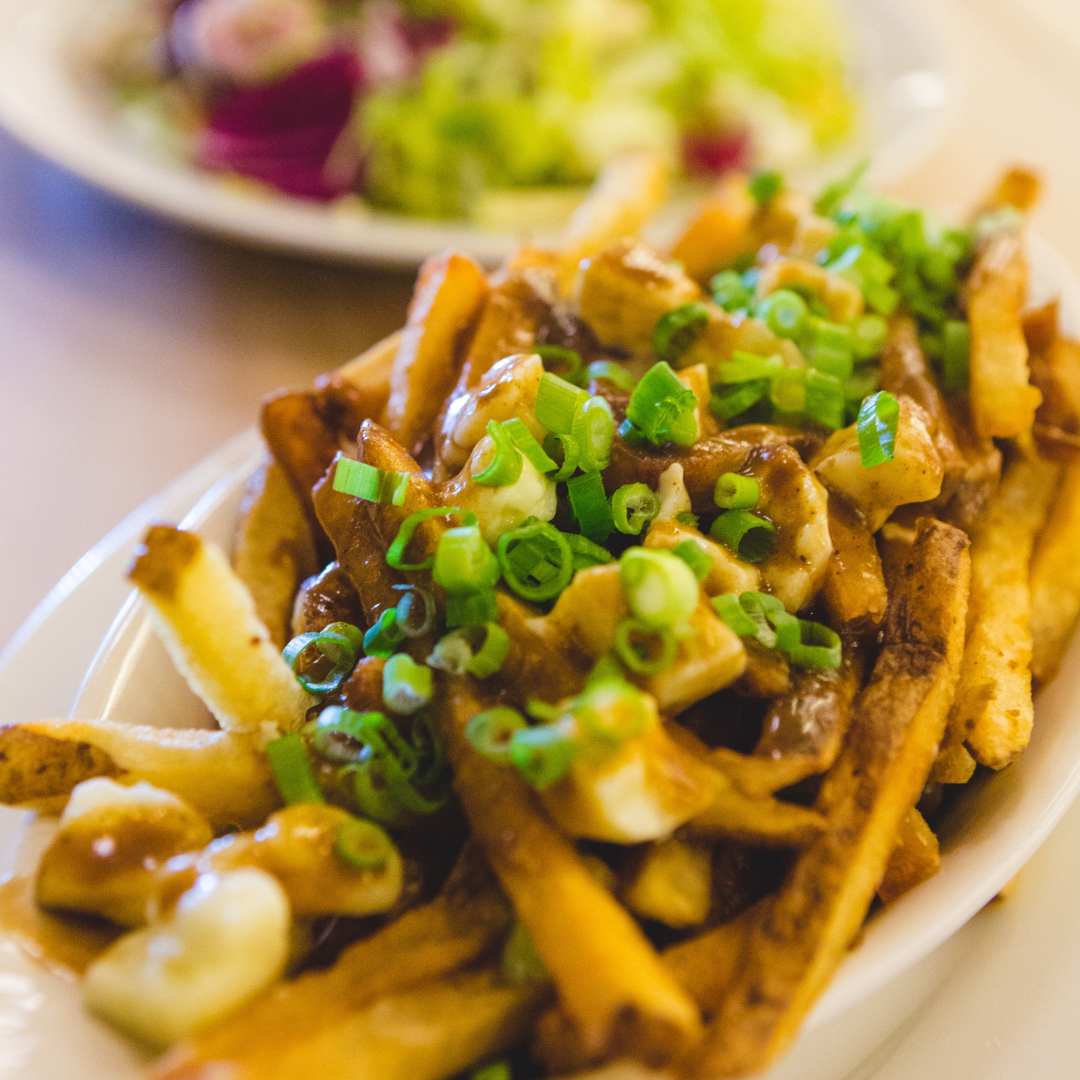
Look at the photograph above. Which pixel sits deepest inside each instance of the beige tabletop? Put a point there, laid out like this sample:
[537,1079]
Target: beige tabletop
[130,348]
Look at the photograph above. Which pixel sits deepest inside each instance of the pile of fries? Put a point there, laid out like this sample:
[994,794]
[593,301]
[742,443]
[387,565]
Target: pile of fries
[596,653]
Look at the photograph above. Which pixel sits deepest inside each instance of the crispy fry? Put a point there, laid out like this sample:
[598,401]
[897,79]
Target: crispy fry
[608,976]
[719,232]
[854,586]
[449,294]
[1055,579]
[275,550]
[465,922]
[1003,403]
[705,966]
[624,196]
[982,468]
[993,711]
[761,821]
[1019,188]
[915,858]
[799,937]
[1055,370]
[224,775]
[207,620]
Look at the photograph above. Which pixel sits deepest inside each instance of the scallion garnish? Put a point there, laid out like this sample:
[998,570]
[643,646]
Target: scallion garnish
[556,403]
[955,350]
[590,506]
[730,292]
[384,635]
[645,649]
[611,371]
[396,552]
[594,429]
[407,685]
[543,754]
[610,711]
[817,647]
[536,561]
[748,367]
[751,538]
[474,610]
[764,617]
[687,517]
[829,348]
[633,506]
[630,433]
[494,649]
[876,426]
[700,562]
[364,481]
[677,330]
[738,399]
[556,354]
[735,492]
[566,454]
[825,399]
[489,733]
[660,589]
[505,466]
[339,642]
[464,564]
[764,186]
[292,770]
[526,442]
[585,552]
[362,844]
[415,612]
[784,312]
[868,333]
[662,406]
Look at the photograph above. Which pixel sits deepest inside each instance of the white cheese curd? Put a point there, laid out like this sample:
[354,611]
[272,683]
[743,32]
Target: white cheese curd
[226,940]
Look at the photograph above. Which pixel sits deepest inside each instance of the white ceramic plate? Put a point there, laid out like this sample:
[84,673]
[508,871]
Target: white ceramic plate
[997,825]
[909,85]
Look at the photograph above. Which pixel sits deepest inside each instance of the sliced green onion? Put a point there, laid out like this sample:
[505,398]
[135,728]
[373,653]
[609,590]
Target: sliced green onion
[415,612]
[407,685]
[645,649]
[556,354]
[526,442]
[566,454]
[835,193]
[631,434]
[291,767]
[739,399]
[730,293]
[464,564]
[476,650]
[489,733]
[735,492]
[556,402]
[784,312]
[453,652]
[748,367]
[614,373]
[700,562]
[520,963]
[825,399]
[373,794]
[364,481]
[542,711]
[605,669]
[491,654]
[339,642]
[594,429]
[730,610]
[396,552]
[590,506]
[504,468]
[543,754]
[660,589]
[857,389]
[955,350]
[685,517]
[788,390]
[633,506]
[677,330]
[751,538]
[868,333]
[474,610]
[611,711]
[585,552]
[546,547]
[758,615]
[663,407]
[876,427]
[818,647]
[363,844]
[766,612]
[384,635]
[764,186]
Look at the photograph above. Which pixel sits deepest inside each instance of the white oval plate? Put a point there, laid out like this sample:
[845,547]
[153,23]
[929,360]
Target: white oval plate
[997,825]
[909,85]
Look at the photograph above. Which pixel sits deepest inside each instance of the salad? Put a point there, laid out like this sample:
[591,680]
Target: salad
[498,111]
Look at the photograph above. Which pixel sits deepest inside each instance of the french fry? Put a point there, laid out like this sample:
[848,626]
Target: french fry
[799,936]
[224,775]
[854,587]
[207,620]
[719,232]
[761,821]
[465,922]
[1019,188]
[1055,370]
[609,978]
[915,858]
[993,712]
[275,550]
[953,765]
[1003,403]
[624,196]
[1055,579]
[449,294]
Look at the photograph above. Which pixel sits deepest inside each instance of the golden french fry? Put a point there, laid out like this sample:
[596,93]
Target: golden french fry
[915,858]
[671,881]
[1055,370]
[207,620]
[222,774]
[275,550]
[625,195]
[1055,579]
[993,711]
[609,978]
[1019,188]
[719,232]
[1003,403]
[854,587]
[800,935]
[761,821]
[449,294]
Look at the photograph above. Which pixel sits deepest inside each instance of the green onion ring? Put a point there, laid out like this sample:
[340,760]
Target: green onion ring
[629,655]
